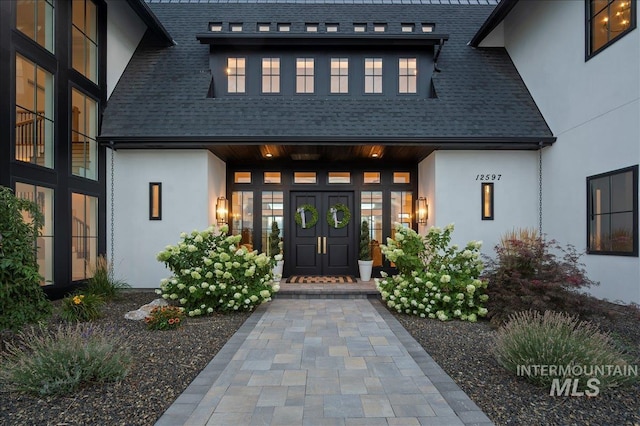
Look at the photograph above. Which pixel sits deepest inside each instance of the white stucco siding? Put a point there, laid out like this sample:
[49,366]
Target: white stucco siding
[217,182]
[427,188]
[188,203]
[458,193]
[124,31]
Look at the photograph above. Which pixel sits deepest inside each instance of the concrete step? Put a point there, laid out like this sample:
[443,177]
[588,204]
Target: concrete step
[359,290]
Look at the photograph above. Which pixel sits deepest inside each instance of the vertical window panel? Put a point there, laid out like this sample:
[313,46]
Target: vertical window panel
[84,235]
[84,38]
[305,75]
[242,217]
[339,75]
[270,75]
[84,129]
[371,211]
[35,19]
[236,75]
[407,75]
[272,211]
[401,209]
[373,75]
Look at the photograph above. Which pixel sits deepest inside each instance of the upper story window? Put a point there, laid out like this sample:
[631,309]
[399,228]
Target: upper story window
[312,28]
[612,209]
[607,21]
[236,75]
[379,28]
[339,75]
[35,20]
[215,26]
[235,27]
[304,75]
[407,75]
[264,27]
[373,75]
[84,131]
[408,28]
[427,28]
[84,48]
[270,75]
[34,135]
[359,28]
[332,28]
[284,27]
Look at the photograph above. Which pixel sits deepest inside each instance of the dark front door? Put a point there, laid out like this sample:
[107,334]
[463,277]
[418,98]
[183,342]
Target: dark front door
[321,249]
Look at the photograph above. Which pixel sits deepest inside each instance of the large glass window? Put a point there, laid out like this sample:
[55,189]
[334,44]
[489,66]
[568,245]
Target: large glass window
[84,30]
[270,75]
[608,20]
[401,208]
[34,18]
[84,235]
[236,75]
[43,197]
[407,75]
[612,206]
[34,114]
[84,129]
[371,211]
[339,75]
[272,212]
[304,75]
[242,217]
[373,75]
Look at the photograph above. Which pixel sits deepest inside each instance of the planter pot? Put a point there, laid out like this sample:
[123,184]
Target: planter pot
[277,270]
[365,267]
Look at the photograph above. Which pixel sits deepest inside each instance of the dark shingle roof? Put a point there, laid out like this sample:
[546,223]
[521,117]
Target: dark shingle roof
[163,92]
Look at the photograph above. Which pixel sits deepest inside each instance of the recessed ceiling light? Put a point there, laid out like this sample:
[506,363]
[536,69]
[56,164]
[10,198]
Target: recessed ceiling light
[374,155]
[268,155]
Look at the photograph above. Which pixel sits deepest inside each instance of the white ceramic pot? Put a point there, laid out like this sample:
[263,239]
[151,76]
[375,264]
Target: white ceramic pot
[365,267]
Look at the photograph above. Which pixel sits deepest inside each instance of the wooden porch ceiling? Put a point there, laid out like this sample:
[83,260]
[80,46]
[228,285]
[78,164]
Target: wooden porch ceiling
[258,154]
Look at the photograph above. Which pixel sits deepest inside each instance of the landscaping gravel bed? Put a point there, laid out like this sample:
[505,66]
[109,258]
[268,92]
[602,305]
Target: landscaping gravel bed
[165,362]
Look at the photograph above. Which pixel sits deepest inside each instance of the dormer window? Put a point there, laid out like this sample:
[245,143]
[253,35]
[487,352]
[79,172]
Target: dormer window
[332,28]
[235,27]
[408,28]
[284,27]
[427,28]
[264,27]
[312,28]
[359,28]
[379,28]
[215,26]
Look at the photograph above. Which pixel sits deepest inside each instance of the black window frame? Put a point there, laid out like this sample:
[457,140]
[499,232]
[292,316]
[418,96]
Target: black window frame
[589,52]
[590,213]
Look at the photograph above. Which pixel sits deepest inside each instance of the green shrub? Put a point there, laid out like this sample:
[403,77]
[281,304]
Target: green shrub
[81,307]
[365,242]
[560,340]
[436,279]
[47,362]
[22,300]
[274,239]
[527,274]
[212,272]
[164,318]
[102,282]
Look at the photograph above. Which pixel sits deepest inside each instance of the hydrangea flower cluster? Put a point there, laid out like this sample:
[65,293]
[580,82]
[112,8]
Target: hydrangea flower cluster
[435,279]
[212,272]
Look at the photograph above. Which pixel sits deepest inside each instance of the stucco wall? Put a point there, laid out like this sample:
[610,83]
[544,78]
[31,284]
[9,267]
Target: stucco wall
[124,31]
[188,201]
[593,108]
[458,193]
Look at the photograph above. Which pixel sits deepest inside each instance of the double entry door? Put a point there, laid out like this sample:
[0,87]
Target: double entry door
[321,249]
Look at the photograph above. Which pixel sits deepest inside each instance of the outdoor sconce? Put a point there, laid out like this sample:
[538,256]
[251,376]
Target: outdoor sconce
[487,201]
[422,211]
[222,211]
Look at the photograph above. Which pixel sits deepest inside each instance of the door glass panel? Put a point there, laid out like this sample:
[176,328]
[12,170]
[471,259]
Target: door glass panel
[401,204]
[304,177]
[272,211]
[371,211]
[242,217]
[339,177]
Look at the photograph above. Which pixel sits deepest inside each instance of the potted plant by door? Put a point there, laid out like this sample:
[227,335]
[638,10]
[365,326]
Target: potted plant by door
[365,263]
[275,250]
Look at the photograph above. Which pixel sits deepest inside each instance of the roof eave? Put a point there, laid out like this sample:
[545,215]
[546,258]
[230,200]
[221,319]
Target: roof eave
[289,39]
[499,13]
[151,21]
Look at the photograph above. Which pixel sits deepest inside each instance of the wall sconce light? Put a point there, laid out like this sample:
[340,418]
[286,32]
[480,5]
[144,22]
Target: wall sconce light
[155,201]
[422,211]
[487,201]
[222,211]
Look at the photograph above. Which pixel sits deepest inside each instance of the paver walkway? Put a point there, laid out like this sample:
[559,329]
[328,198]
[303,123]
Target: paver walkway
[323,362]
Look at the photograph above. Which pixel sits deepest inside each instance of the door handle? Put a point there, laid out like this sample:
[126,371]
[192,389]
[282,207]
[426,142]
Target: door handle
[324,245]
[319,251]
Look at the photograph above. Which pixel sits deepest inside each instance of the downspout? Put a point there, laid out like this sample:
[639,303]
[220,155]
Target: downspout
[437,55]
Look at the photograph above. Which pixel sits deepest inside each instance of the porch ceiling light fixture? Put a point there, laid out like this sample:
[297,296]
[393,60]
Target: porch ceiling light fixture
[422,211]
[222,211]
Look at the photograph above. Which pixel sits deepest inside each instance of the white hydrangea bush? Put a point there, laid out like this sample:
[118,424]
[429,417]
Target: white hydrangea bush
[435,279]
[213,272]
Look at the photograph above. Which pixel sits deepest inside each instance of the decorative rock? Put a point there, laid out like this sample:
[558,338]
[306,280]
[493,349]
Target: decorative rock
[144,310]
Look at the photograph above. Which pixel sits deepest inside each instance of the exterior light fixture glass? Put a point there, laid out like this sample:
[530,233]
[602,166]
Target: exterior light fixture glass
[487,201]
[222,211]
[422,211]
[155,201]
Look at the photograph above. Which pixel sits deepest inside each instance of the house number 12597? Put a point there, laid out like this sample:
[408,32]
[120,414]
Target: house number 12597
[488,177]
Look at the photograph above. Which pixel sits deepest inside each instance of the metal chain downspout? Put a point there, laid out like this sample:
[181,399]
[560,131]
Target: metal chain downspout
[111,258]
[540,190]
